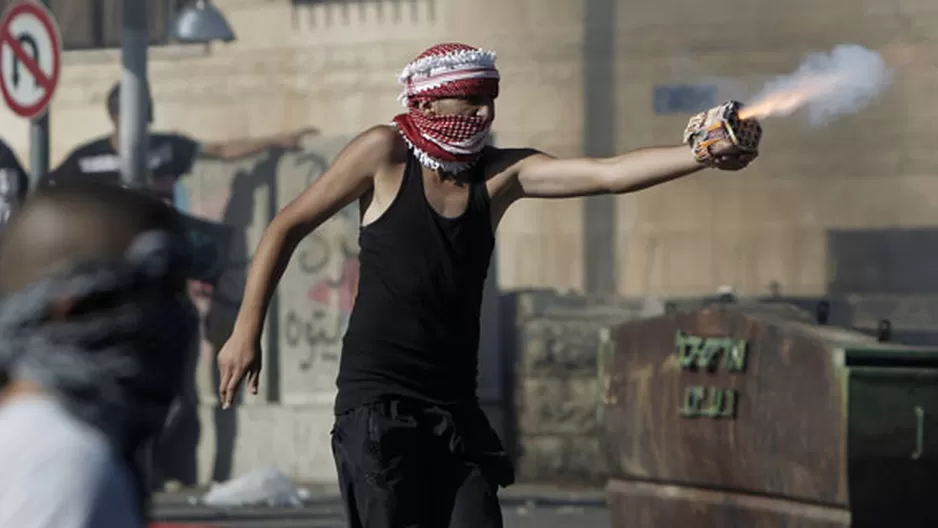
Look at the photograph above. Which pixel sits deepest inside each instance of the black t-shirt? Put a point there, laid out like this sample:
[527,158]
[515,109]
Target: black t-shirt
[171,157]
[14,183]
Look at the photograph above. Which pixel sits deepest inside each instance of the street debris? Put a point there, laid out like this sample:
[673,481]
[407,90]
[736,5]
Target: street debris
[266,486]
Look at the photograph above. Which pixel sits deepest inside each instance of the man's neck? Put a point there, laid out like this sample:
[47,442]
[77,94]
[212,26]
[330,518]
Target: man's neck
[441,175]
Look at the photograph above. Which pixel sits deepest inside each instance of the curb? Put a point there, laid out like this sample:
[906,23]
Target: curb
[177,506]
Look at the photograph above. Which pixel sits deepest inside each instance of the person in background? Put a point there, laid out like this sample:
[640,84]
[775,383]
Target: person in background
[14,183]
[171,156]
[95,326]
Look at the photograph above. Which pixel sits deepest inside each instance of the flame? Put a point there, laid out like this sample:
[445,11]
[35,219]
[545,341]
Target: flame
[786,100]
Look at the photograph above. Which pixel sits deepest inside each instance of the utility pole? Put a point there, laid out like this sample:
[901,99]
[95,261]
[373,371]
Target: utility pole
[135,100]
[39,141]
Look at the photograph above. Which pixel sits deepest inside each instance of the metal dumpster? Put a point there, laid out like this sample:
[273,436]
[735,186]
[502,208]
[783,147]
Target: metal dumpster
[753,415]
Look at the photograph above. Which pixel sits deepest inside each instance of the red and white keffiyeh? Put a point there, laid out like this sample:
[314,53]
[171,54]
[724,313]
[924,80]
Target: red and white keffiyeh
[451,143]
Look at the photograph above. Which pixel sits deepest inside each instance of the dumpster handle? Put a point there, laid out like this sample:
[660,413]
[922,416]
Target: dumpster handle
[604,350]
[919,432]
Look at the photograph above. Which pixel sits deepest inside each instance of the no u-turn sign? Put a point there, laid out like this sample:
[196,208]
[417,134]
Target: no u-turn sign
[30,58]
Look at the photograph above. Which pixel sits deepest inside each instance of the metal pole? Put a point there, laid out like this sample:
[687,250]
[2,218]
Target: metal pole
[39,148]
[39,142]
[602,265]
[134,102]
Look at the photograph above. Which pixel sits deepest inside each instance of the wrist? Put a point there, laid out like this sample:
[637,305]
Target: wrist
[248,327]
[692,159]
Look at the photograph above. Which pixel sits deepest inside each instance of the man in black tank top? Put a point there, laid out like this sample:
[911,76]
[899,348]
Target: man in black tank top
[411,445]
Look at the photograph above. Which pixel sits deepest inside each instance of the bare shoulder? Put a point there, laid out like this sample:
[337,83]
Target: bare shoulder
[379,139]
[379,135]
[502,166]
[377,147]
[507,161]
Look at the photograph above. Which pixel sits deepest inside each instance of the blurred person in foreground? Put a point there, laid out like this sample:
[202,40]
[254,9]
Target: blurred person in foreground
[94,328]
[14,183]
[411,444]
[171,156]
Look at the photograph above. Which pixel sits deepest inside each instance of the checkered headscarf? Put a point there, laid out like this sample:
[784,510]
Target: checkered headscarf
[452,143]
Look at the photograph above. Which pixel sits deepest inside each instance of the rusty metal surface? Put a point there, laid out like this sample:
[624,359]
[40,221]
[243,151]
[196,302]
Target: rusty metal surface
[788,437]
[788,423]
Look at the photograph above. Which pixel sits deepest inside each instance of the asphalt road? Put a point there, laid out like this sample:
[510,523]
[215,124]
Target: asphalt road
[328,514]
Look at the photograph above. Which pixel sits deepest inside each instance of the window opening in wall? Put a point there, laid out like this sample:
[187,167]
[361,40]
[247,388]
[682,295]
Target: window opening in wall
[96,24]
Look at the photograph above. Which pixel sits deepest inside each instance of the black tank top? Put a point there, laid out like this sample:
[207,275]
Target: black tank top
[414,329]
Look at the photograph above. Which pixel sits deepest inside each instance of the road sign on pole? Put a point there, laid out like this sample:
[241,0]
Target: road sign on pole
[30,58]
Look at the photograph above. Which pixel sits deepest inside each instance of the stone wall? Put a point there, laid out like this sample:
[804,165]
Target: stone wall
[553,340]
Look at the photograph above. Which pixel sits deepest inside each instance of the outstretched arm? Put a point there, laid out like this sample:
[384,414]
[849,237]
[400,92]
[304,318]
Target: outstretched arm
[717,138]
[240,148]
[538,175]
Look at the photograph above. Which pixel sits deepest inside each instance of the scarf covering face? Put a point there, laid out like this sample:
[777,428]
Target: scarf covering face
[118,361]
[452,143]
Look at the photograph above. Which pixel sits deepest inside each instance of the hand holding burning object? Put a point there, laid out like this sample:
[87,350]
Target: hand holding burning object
[722,139]
[826,85]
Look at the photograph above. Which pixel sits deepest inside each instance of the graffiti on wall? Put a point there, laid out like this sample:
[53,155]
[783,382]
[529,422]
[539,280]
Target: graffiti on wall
[317,292]
[321,327]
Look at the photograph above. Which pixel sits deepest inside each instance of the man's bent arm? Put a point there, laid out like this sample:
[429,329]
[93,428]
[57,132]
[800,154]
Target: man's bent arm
[348,178]
[538,175]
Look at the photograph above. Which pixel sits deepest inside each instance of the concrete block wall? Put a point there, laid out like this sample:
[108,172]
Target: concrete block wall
[554,340]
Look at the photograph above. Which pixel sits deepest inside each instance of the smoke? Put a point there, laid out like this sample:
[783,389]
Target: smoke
[827,85]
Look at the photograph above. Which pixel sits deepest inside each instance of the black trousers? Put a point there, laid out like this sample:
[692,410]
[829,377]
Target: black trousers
[403,464]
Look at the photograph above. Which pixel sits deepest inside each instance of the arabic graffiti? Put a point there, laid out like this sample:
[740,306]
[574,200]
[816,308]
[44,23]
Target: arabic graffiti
[329,269]
[228,206]
[323,278]
[321,329]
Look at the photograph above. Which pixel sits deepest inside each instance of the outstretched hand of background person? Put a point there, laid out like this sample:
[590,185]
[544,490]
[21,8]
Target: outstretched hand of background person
[293,140]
